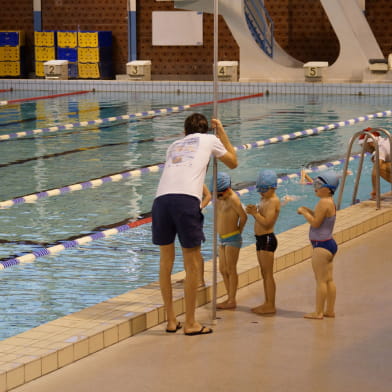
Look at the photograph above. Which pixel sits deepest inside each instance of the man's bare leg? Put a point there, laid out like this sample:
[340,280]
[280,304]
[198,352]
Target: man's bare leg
[167,255]
[191,263]
[201,281]
[266,262]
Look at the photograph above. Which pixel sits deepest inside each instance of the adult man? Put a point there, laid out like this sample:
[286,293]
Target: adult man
[384,157]
[176,210]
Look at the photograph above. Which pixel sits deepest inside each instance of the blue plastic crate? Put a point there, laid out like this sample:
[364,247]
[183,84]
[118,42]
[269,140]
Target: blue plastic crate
[72,70]
[70,54]
[12,38]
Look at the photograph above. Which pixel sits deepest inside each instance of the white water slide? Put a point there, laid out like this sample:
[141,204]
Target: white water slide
[356,39]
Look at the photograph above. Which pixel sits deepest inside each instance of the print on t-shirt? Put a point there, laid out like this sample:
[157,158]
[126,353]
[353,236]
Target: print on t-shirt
[183,152]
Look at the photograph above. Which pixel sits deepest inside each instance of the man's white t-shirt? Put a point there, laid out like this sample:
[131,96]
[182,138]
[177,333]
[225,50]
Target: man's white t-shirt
[186,164]
[384,149]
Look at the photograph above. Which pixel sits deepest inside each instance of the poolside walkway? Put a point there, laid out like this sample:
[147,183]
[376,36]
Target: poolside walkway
[247,352]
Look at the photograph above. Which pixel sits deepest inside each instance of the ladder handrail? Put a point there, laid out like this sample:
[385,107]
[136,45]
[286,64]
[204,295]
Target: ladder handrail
[367,134]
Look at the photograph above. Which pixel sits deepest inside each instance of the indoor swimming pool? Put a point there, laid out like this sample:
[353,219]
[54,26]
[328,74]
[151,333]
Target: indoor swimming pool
[77,277]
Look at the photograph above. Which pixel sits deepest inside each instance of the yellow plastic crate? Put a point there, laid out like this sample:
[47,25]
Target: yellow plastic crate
[94,39]
[88,70]
[44,53]
[67,39]
[9,68]
[88,55]
[9,53]
[44,38]
[39,68]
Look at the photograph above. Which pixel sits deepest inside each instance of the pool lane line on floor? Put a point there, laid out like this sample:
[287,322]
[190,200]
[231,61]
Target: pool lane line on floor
[99,121]
[20,100]
[32,256]
[23,120]
[83,149]
[139,141]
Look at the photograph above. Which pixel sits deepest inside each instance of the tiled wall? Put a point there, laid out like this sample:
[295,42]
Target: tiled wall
[300,25]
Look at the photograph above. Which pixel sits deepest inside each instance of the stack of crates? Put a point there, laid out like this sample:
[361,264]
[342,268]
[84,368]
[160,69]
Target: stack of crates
[95,55]
[67,49]
[12,60]
[44,50]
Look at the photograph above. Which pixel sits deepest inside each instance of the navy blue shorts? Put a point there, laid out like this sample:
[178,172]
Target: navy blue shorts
[177,214]
[329,245]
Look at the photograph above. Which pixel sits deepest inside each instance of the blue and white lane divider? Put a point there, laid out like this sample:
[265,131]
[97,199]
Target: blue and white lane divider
[99,121]
[314,131]
[292,176]
[32,198]
[31,257]
[149,169]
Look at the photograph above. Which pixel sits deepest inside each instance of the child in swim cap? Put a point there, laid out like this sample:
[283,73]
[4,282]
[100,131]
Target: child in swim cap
[266,215]
[231,219]
[322,221]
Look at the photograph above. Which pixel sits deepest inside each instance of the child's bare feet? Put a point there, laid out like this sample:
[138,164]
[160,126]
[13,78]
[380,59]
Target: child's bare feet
[314,316]
[264,309]
[227,305]
[329,314]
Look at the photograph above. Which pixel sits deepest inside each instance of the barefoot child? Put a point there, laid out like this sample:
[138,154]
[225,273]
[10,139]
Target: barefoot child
[322,221]
[231,219]
[266,214]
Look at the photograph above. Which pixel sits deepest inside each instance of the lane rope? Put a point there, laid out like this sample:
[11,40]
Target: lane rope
[99,121]
[96,182]
[156,167]
[20,100]
[31,257]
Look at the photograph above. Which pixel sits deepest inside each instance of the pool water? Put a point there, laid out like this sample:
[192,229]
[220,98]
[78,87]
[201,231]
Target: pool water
[57,285]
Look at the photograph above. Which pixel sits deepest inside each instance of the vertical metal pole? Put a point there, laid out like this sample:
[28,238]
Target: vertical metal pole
[132,32]
[215,165]
[37,15]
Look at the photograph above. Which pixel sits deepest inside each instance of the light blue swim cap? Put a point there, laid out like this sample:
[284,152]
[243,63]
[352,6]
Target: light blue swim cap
[223,182]
[266,179]
[330,179]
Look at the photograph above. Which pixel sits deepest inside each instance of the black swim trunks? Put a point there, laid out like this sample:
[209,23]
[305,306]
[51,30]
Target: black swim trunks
[266,242]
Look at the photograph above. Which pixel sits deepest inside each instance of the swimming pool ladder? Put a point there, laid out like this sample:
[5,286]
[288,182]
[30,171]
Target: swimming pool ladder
[367,134]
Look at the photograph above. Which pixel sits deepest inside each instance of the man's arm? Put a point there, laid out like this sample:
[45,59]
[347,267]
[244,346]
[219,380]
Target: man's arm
[230,158]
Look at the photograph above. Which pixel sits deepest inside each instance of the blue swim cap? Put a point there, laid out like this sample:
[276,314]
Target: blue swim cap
[330,179]
[266,179]
[223,182]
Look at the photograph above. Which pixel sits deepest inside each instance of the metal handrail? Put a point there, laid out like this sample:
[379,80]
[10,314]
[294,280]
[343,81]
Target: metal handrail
[367,134]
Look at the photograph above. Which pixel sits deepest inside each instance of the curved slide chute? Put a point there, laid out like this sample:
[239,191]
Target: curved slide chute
[357,44]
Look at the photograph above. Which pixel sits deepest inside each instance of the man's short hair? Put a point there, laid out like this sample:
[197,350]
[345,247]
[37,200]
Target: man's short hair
[196,123]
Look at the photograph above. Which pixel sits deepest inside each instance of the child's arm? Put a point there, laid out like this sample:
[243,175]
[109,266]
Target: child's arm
[206,197]
[315,218]
[239,209]
[269,217]
[308,210]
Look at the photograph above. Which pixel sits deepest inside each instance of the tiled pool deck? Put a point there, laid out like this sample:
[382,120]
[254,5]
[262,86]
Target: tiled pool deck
[53,345]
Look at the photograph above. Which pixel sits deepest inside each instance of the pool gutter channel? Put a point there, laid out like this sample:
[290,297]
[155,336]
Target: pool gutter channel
[60,342]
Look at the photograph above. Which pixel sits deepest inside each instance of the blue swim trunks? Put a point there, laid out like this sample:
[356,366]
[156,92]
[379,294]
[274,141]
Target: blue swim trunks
[329,245]
[231,239]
